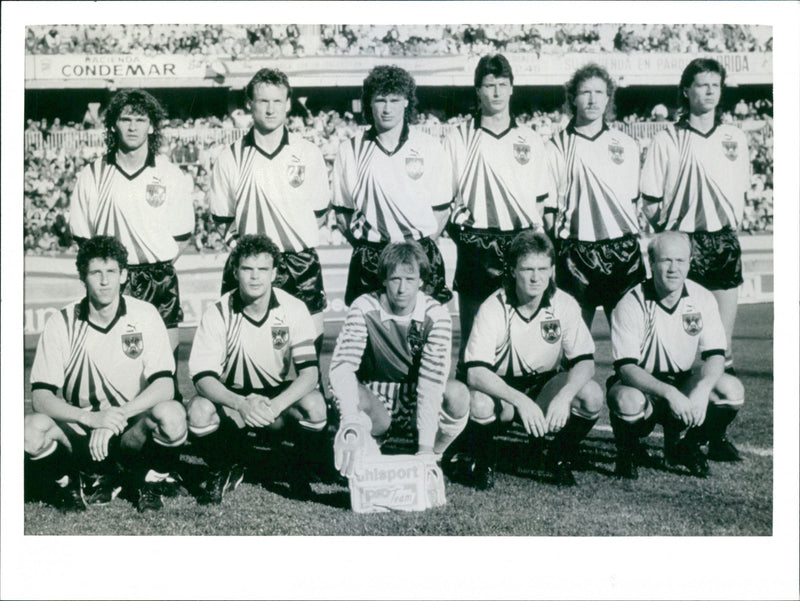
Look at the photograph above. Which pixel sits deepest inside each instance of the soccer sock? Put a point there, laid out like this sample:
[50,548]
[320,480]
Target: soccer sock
[480,442]
[449,429]
[223,447]
[672,435]
[718,418]
[309,438]
[626,433]
[567,441]
[50,465]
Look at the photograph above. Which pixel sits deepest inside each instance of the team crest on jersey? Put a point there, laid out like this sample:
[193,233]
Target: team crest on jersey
[415,167]
[132,344]
[414,338]
[297,174]
[522,152]
[156,194]
[616,152]
[693,323]
[551,330]
[731,148]
[280,336]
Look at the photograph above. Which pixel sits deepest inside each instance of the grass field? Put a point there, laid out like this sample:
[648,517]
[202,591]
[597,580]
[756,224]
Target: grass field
[735,501]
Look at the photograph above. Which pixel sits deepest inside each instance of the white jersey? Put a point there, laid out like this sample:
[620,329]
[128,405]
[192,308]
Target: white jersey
[662,340]
[499,181]
[596,182]
[700,179]
[147,211]
[278,195]
[512,346]
[101,367]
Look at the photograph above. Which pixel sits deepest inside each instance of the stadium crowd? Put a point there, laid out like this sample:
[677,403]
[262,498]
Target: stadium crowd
[244,41]
[50,171]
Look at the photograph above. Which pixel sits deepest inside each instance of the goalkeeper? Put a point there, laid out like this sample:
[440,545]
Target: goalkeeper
[390,368]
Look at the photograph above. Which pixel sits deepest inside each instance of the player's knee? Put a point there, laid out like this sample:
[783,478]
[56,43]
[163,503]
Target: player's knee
[170,418]
[729,391]
[456,399]
[373,407]
[626,403]
[37,429]
[313,407]
[202,416]
[590,399]
[481,407]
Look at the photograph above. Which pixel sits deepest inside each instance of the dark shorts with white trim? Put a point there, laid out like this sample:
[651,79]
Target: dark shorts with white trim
[157,284]
[716,259]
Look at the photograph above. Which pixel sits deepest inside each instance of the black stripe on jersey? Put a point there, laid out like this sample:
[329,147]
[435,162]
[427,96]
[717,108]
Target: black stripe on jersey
[469,364]
[204,374]
[305,364]
[711,352]
[44,386]
[182,237]
[321,212]
[627,361]
[575,360]
[338,209]
[159,374]
[223,220]
[648,198]
[542,197]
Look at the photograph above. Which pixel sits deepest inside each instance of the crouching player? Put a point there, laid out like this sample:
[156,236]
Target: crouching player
[254,366]
[521,337]
[109,356]
[390,367]
[656,330]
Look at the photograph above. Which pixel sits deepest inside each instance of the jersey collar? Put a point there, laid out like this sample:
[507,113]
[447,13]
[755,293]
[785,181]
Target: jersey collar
[150,161]
[479,125]
[547,297]
[237,306]
[249,139]
[82,313]
[372,135]
[683,123]
[649,289]
[418,314]
[571,130]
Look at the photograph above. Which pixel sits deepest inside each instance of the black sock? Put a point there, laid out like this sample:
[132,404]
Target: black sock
[41,474]
[223,447]
[718,418]
[567,441]
[481,443]
[309,450]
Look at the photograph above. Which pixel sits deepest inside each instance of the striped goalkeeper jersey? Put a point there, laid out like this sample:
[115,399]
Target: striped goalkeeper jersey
[277,195]
[377,347]
[596,183]
[499,181]
[701,179]
[392,194]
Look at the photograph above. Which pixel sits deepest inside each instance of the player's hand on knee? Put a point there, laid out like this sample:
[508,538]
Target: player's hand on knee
[112,418]
[680,406]
[255,412]
[532,418]
[699,407]
[352,442]
[558,413]
[98,443]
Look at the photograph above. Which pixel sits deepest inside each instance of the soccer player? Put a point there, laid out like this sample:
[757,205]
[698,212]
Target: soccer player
[499,187]
[522,335]
[139,197]
[389,371]
[102,392]
[694,180]
[595,170]
[254,365]
[275,183]
[391,184]
[656,331]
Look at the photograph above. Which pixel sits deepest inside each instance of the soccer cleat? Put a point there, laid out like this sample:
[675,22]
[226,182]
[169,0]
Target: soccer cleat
[562,472]
[691,457]
[482,476]
[301,490]
[102,490]
[220,483]
[172,486]
[69,498]
[626,466]
[148,498]
[723,450]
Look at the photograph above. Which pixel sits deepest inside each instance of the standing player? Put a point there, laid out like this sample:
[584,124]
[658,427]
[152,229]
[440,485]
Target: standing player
[499,185]
[109,357]
[656,331]
[275,183]
[389,371]
[596,175]
[391,184]
[139,197]
[694,180]
[254,365]
[522,335]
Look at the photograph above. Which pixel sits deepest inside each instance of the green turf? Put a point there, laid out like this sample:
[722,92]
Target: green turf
[735,501]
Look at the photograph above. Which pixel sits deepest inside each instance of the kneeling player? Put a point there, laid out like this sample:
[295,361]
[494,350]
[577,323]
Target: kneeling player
[110,356]
[254,366]
[656,330]
[521,336]
[391,363]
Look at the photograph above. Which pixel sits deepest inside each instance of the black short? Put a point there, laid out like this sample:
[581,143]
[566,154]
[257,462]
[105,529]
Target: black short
[362,277]
[598,274]
[481,264]
[157,283]
[530,385]
[270,392]
[298,273]
[716,259]
[677,379]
